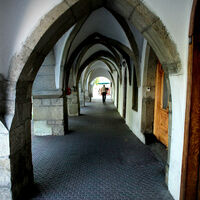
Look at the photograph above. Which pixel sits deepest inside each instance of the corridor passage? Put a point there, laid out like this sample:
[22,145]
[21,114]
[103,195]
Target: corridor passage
[100,159]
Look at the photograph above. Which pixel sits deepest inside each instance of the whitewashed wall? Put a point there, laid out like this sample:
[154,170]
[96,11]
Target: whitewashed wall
[121,95]
[115,89]
[133,118]
[17,20]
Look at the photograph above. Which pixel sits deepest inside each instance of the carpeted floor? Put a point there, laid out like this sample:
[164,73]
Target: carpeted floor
[100,159]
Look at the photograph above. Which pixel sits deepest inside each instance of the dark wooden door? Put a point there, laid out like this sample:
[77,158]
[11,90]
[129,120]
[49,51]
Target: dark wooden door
[192,178]
[190,188]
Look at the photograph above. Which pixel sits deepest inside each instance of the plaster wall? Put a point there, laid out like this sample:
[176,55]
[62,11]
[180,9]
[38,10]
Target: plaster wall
[96,23]
[121,95]
[93,49]
[133,118]
[100,73]
[17,20]
[58,52]
[138,38]
[172,12]
[115,88]
[99,64]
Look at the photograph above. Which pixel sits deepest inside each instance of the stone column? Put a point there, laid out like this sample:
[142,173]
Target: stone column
[5,173]
[20,142]
[82,98]
[169,141]
[65,112]
[48,116]
[72,102]
[16,171]
[87,96]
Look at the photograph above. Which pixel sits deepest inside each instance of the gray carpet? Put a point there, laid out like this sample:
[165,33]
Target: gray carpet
[100,159]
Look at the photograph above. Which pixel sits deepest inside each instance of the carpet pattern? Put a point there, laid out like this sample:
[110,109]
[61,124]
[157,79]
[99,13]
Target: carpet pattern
[100,159]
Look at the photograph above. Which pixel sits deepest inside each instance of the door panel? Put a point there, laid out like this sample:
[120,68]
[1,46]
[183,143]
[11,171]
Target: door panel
[160,114]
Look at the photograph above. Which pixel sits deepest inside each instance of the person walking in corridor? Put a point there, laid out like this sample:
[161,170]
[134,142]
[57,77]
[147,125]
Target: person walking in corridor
[103,93]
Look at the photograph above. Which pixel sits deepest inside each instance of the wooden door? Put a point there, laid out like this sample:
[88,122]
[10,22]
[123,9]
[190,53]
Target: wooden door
[160,111]
[198,187]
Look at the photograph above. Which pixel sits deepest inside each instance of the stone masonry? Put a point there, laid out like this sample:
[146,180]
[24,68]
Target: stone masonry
[48,116]
[72,102]
[5,174]
[82,98]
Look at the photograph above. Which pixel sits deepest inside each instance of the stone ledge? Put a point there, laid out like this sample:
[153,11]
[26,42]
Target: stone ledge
[47,94]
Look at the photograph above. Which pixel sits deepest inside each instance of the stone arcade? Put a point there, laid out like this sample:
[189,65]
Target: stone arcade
[141,46]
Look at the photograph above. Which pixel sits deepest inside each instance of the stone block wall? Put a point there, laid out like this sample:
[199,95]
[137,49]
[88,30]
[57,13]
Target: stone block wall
[5,173]
[48,116]
[72,103]
[3,88]
[45,79]
[87,95]
[82,99]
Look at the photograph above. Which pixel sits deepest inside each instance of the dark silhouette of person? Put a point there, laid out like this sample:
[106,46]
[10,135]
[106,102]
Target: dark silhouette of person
[103,93]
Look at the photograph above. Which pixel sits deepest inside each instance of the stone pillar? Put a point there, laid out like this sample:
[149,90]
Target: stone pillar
[169,142]
[48,116]
[65,110]
[5,173]
[20,142]
[72,102]
[82,98]
[87,96]
[147,115]
[16,170]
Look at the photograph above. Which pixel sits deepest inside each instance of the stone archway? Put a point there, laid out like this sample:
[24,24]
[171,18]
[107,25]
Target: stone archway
[148,103]
[89,70]
[86,71]
[25,65]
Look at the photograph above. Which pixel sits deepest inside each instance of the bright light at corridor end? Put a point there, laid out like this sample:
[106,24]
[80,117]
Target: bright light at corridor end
[97,84]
